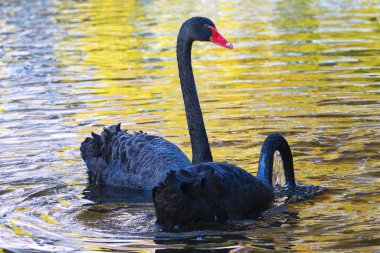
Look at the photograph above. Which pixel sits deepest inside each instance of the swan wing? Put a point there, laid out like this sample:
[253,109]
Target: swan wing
[134,160]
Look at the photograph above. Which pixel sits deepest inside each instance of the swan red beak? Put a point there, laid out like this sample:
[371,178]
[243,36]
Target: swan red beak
[218,39]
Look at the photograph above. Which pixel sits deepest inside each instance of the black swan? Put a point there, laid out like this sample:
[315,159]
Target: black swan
[211,191]
[207,190]
[138,160]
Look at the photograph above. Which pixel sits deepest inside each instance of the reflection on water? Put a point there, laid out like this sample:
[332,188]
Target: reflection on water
[307,69]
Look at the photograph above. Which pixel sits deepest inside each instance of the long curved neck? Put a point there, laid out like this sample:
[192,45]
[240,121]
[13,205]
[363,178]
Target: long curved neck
[275,142]
[198,136]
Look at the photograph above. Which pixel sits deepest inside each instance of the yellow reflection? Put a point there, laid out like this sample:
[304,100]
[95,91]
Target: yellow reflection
[48,219]
[266,84]
[18,230]
[297,68]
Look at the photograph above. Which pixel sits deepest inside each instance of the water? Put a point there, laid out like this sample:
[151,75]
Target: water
[307,69]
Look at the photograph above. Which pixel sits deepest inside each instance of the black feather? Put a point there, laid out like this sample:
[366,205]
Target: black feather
[134,160]
[118,127]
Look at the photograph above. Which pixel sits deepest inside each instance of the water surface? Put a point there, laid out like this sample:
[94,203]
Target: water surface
[307,69]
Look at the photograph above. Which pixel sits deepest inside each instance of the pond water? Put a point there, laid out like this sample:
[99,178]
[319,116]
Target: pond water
[307,69]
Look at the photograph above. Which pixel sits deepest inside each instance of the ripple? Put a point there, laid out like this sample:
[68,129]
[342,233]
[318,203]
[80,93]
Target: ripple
[307,70]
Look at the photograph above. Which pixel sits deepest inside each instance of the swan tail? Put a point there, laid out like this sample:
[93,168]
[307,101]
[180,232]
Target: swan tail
[275,142]
[99,145]
[107,141]
[97,149]
[91,147]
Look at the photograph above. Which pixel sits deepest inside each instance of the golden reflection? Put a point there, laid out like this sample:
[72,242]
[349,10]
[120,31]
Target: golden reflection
[296,69]
[254,88]
[17,229]
[305,68]
[48,219]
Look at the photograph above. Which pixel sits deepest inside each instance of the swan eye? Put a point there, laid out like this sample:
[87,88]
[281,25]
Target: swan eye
[207,26]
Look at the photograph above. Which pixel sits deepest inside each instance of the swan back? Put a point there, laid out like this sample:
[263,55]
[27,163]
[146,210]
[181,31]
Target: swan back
[207,192]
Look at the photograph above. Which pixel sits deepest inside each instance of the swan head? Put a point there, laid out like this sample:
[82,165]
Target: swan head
[203,29]
[188,196]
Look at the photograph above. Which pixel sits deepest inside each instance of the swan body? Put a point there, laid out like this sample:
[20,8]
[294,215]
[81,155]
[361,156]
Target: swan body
[212,191]
[137,160]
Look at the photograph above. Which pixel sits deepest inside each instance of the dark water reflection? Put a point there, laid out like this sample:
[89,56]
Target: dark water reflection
[307,69]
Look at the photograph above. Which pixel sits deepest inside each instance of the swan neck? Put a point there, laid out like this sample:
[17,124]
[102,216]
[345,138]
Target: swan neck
[198,136]
[273,143]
